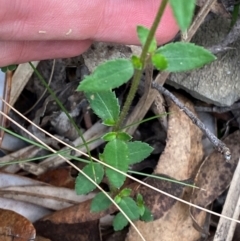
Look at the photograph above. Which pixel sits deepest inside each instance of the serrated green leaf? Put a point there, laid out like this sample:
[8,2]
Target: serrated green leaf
[116,155]
[142,36]
[136,62]
[137,151]
[119,222]
[107,76]
[185,56]
[147,216]
[183,11]
[159,61]
[95,171]
[130,208]
[105,105]
[100,202]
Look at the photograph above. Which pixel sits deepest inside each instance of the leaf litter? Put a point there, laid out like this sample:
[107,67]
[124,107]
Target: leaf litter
[181,161]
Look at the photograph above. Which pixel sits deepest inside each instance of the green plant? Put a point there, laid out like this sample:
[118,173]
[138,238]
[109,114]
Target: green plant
[120,151]
[8,68]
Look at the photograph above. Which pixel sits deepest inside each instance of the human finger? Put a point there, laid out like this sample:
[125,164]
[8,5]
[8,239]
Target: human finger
[100,20]
[24,51]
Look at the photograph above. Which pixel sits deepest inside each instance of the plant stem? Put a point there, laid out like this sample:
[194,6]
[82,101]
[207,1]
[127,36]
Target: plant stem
[138,72]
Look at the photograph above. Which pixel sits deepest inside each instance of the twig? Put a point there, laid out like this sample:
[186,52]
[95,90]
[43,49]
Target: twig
[219,145]
[226,228]
[218,109]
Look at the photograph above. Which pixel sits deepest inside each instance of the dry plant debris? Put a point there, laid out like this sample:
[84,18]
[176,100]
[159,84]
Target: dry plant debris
[71,232]
[180,160]
[14,226]
[215,174]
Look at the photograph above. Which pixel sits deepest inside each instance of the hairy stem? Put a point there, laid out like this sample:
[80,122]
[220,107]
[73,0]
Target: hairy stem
[138,72]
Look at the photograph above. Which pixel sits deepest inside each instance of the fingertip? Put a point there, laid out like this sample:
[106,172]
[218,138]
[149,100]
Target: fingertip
[24,51]
[121,19]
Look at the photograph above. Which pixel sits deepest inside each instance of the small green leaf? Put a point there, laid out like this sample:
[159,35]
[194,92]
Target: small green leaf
[107,76]
[147,216]
[130,208]
[100,202]
[140,199]
[4,69]
[109,136]
[118,199]
[116,155]
[141,209]
[183,12]
[143,34]
[119,222]
[105,105]
[136,62]
[123,136]
[137,151]
[140,204]
[125,192]
[95,172]
[159,61]
[185,56]
[12,67]
[9,67]
[101,157]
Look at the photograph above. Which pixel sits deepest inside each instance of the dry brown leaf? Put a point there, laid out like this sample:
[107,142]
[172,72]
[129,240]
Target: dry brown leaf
[180,160]
[73,223]
[13,226]
[159,203]
[183,152]
[215,175]
[88,231]
[59,177]
[39,238]
[77,214]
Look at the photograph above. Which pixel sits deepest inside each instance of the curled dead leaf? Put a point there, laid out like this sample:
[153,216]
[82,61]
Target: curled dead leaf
[14,226]
[214,175]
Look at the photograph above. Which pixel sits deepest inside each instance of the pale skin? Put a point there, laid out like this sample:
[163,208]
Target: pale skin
[46,29]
